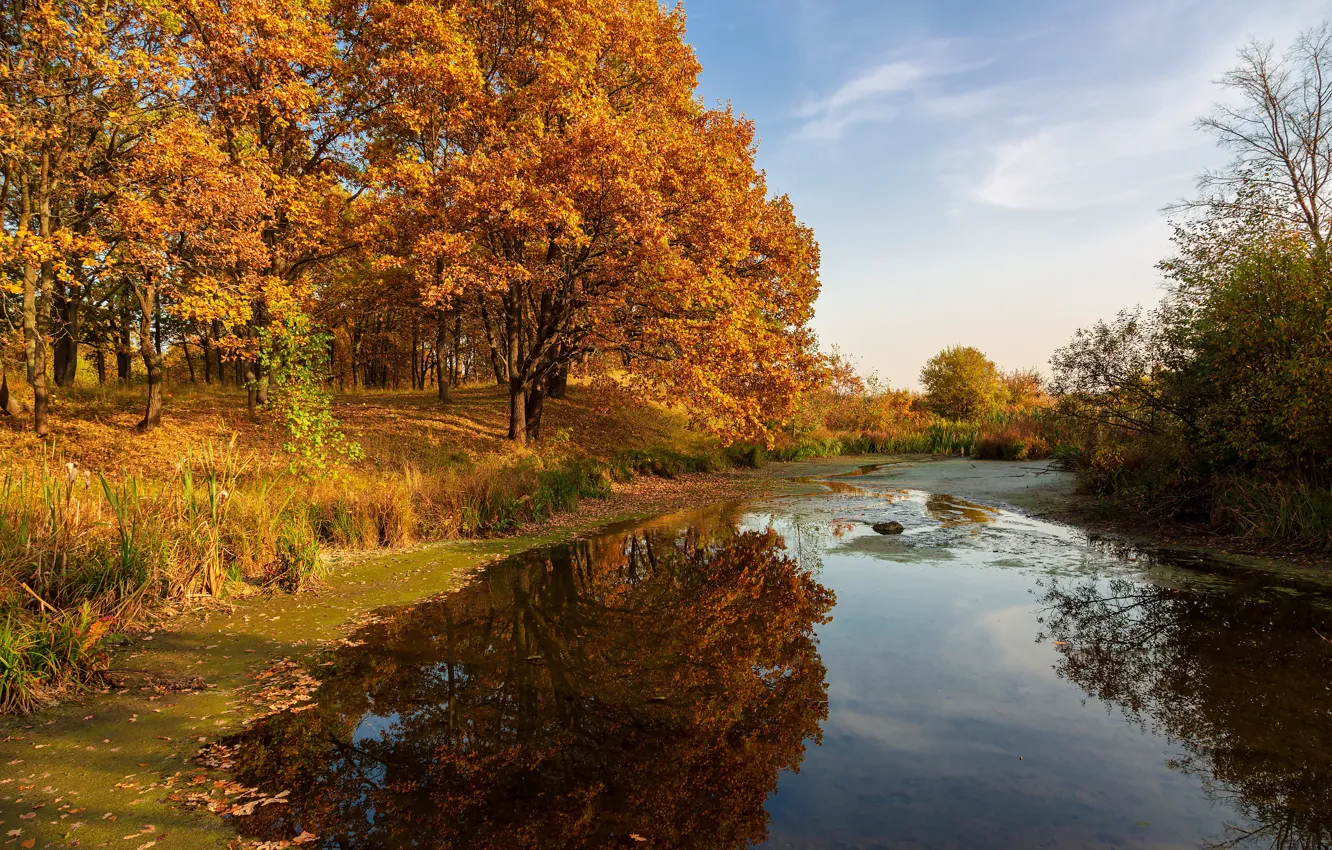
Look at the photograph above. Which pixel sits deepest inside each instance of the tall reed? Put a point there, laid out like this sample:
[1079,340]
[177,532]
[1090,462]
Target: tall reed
[83,558]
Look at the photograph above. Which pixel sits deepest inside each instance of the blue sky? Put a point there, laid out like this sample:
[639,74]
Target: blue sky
[986,173]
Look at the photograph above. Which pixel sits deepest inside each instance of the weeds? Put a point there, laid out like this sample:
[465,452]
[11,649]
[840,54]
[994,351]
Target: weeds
[1295,514]
[1023,436]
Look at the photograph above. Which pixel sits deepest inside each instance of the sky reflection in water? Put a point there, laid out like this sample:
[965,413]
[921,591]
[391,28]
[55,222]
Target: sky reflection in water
[986,680]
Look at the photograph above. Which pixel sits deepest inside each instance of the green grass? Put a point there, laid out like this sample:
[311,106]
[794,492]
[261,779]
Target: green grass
[1287,514]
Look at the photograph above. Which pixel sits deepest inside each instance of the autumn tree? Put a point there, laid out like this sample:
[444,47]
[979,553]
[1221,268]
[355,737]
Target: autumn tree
[962,383]
[182,226]
[274,80]
[562,181]
[79,83]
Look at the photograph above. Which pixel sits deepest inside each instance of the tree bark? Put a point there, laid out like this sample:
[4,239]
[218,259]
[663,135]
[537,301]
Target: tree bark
[189,360]
[513,316]
[123,370]
[251,386]
[559,382]
[34,343]
[536,398]
[454,377]
[496,360]
[441,374]
[207,356]
[65,351]
[150,350]
[9,405]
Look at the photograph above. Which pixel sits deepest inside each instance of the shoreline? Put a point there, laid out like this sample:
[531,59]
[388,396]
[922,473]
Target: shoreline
[98,766]
[108,761]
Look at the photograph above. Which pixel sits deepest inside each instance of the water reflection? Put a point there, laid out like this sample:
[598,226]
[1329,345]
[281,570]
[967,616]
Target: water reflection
[1240,681]
[952,512]
[640,689]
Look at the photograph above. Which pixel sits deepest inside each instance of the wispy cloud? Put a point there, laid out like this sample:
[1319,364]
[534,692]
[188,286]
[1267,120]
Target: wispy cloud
[1138,142]
[1045,127]
[886,90]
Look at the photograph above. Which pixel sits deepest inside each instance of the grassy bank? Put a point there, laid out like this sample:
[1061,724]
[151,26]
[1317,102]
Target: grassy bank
[102,526]
[1161,483]
[1006,436]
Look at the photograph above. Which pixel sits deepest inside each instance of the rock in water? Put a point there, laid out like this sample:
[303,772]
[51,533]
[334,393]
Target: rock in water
[888,527]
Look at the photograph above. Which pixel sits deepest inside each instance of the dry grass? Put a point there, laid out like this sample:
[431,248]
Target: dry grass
[101,523]
[94,426]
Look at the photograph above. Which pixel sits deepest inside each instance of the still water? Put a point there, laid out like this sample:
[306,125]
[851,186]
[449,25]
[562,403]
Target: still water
[779,675]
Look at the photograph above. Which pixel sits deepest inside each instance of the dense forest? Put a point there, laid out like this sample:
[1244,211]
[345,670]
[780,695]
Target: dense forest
[389,193]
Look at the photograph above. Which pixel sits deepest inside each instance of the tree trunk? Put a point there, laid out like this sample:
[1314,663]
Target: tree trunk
[354,353]
[216,337]
[536,398]
[207,356]
[440,373]
[251,386]
[496,361]
[123,349]
[416,351]
[65,351]
[9,405]
[34,343]
[456,349]
[189,360]
[100,357]
[260,373]
[150,351]
[559,382]
[513,316]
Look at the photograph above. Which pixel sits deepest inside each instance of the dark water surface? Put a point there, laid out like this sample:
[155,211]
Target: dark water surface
[779,675]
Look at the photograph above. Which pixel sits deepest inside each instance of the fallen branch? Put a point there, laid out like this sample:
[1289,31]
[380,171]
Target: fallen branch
[45,604]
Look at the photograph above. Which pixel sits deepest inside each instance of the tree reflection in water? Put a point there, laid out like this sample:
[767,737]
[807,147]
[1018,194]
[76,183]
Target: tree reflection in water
[1242,682]
[650,685]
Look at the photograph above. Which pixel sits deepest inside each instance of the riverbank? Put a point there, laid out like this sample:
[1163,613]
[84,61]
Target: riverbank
[103,766]
[118,769]
[1039,489]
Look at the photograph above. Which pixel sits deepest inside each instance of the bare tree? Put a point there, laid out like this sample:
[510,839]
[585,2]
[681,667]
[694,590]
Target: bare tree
[1280,129]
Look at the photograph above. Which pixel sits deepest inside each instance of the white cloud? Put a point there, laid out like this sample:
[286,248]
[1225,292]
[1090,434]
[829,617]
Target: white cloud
[882,92]
[1070,131]
[1140,144]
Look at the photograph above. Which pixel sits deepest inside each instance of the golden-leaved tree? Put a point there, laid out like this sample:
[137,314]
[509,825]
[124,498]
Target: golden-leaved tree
[80,84]
[559,176]
[535,180]
[183,227]
[273,82]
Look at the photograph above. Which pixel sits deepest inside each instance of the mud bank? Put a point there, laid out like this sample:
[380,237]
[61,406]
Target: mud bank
[1031,487]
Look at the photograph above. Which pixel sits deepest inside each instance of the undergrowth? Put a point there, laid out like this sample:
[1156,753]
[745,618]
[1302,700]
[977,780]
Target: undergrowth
[82,554]
[1023,436]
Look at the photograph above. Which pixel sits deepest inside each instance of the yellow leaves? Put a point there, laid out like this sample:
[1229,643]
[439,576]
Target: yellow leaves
[96,630]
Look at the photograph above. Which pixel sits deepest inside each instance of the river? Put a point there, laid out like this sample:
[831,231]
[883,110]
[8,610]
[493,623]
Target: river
[780,675]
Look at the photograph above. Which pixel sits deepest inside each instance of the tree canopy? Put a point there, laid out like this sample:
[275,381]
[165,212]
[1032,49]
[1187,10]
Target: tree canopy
[962,383]
[517,188]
